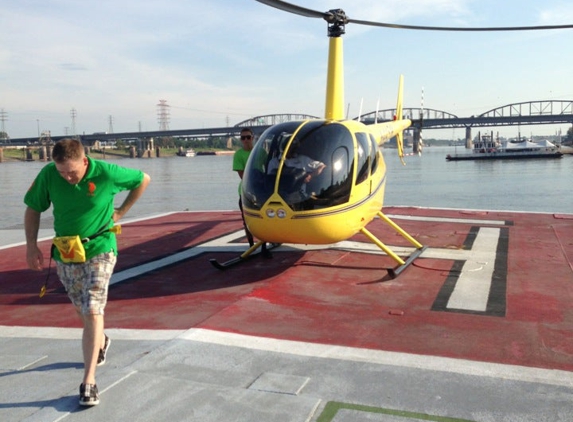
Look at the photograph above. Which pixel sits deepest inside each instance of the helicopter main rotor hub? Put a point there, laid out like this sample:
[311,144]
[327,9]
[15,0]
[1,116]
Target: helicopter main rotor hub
[337,20]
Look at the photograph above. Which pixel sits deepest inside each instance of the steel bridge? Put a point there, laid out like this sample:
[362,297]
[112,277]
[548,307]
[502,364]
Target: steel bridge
[525,113]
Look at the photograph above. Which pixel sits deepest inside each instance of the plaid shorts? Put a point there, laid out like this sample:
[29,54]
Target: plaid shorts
[87,283]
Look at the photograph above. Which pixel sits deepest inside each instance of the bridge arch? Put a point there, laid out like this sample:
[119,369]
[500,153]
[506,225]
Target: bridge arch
[532,108]
[273,119]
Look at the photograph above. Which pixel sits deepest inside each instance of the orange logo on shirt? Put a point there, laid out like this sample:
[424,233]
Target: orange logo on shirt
[91,188]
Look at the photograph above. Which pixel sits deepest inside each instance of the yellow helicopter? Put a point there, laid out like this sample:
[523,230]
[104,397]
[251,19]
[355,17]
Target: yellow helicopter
[322,181]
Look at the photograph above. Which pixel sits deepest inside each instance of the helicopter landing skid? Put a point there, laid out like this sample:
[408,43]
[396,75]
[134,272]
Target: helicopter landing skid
[395,272]
[248,254]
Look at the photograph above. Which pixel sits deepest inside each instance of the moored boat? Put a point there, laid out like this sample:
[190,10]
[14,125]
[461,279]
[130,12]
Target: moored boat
[188,153]
[486,148]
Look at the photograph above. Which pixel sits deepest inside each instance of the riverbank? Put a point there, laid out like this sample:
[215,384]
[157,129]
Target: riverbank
[35,154]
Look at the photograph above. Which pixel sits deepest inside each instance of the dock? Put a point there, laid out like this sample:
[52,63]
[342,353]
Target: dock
[478,328]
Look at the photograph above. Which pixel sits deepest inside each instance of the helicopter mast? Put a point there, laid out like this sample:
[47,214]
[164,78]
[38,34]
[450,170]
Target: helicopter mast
[334,108]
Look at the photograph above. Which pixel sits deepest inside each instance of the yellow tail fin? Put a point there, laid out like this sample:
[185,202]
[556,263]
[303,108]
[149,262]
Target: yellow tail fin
[399,112]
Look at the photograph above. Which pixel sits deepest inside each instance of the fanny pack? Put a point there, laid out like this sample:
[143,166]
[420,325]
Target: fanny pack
[72,249]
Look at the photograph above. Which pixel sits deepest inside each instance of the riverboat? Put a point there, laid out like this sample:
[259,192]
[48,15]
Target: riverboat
[188,153]
[487,148]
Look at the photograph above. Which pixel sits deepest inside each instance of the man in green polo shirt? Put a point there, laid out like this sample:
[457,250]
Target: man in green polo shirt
[81,191]
[239,163]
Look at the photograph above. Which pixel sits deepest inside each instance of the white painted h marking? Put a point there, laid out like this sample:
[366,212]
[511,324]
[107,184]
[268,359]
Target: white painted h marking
[472,289]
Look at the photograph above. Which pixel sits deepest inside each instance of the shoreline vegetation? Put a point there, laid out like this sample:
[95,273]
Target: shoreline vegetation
[34,153]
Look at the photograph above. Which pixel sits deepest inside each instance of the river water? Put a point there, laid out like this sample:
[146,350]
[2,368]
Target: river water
[208,183]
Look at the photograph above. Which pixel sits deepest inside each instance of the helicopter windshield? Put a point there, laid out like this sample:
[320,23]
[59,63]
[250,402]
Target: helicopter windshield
[314,168]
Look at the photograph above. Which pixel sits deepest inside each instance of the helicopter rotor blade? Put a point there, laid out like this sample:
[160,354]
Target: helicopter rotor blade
[303,11]
[293,8]
[455,28]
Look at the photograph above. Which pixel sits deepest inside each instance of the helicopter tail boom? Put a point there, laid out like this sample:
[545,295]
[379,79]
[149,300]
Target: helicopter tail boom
[387,130]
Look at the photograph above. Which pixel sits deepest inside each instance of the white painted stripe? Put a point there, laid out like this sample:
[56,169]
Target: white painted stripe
[76,333]
[472,288]
[447,220]
[325,351]
[433,363]
[16,237]
[221,244]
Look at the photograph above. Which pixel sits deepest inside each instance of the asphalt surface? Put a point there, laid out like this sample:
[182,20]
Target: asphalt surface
[203,375]
[207,375]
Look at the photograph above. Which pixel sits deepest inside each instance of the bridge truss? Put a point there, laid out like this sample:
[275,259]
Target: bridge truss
[525,113]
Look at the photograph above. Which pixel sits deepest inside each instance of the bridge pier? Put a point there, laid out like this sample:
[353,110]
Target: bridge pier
[469,144]
[43,153]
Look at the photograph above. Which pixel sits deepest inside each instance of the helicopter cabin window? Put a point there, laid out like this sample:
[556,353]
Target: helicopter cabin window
[363,151]
[374,156]
[311,159]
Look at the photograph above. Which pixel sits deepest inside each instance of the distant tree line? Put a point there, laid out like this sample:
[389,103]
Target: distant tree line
[209,143]
[569,139]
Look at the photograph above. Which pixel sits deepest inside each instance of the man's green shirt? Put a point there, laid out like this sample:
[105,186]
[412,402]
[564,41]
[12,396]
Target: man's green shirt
[86,208]
[240,162]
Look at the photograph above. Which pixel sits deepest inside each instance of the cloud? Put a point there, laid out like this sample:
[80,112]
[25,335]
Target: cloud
[121,57]
[559,15]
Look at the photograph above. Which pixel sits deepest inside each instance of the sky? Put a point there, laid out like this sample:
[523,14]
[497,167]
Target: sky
[219,62]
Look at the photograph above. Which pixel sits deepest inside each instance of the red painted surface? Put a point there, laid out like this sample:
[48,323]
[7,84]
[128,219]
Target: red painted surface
[329,296]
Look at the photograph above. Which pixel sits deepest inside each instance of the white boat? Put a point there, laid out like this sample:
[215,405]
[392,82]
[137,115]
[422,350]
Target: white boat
[486,148]
[188,153]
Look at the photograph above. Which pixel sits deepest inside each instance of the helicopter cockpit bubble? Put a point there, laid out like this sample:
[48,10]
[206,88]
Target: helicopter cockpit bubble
[312,160]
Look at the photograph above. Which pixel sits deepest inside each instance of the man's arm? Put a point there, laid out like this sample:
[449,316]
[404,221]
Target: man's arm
[131,198]
[34,256]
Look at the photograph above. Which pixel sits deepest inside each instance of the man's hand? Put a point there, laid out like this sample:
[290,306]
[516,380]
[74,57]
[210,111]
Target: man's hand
[34,258]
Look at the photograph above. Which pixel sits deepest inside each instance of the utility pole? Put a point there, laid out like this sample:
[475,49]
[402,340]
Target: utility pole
[73,113]
[110,126]
[3,118]
[163,115]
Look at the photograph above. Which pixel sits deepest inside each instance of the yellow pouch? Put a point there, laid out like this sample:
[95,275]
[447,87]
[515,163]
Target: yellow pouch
[71,248]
